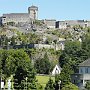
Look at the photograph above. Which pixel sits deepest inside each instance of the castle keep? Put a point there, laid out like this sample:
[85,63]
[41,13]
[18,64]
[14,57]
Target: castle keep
[21,17]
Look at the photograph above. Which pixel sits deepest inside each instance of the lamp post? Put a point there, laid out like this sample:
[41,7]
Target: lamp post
[59,84]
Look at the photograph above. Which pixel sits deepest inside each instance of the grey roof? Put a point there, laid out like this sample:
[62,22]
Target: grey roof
[10,14]
[16,15]
[85,63]
[33,6]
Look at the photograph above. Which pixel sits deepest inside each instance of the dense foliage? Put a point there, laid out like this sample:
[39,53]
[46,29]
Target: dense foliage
[18,64]
[65,75]
[50,85]
[42,65]
[70,86]
[73,54]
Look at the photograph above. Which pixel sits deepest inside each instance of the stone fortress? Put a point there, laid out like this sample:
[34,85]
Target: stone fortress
[21,17]
[33,15]
[24,22]
[70,23]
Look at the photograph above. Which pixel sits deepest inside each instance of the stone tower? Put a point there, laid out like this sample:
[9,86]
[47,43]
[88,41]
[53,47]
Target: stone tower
[33,12]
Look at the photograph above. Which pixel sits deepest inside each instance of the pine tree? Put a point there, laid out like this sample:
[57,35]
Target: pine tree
[50,85]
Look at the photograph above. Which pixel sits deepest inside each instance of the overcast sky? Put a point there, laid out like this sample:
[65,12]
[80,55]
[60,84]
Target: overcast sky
[50,9]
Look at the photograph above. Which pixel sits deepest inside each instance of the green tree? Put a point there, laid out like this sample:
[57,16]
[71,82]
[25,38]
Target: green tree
[65,75]
[18,64]
[13,41]
[57,79]
[4,54]
[70,52]
[15,59]
[20,75]
[86,43]
[43,65]
[31,78]
[50,85]
[73,54]
[70,86]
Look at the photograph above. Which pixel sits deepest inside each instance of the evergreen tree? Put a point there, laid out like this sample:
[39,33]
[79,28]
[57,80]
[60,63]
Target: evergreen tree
[18,78]
[43,65]
[65,75]
[50,85]
[73,54]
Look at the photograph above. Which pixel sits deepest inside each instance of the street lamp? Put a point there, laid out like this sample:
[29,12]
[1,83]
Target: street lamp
[59,84]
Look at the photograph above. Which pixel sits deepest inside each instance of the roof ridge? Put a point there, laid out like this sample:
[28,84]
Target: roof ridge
[85,63]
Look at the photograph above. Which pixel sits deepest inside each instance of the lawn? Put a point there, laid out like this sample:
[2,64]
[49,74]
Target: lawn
[44,79]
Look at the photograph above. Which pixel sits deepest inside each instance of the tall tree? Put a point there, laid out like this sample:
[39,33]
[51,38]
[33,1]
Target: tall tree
[73,54]
[50,85]
[86,44]
[65,75]
[43,65]
[18,64]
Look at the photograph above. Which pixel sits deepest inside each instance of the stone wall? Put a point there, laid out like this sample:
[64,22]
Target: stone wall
[50,23]
[55,46]
[71,23]
[18,17]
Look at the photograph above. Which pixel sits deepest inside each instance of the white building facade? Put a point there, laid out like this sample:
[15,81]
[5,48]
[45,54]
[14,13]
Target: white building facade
[81,78]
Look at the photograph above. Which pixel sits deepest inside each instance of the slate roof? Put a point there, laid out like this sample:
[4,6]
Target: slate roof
[85,63]
[11,14]
[33,6]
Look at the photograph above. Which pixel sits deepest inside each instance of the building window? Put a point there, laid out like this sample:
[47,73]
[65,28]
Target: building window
[86,70]
[81,71]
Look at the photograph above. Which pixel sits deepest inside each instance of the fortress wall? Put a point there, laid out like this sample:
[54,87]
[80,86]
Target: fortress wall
[50,23]
[15,18]
[71,23]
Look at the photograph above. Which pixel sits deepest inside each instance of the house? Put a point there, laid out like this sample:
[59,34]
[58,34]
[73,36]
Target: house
[57,70]
[83,76]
